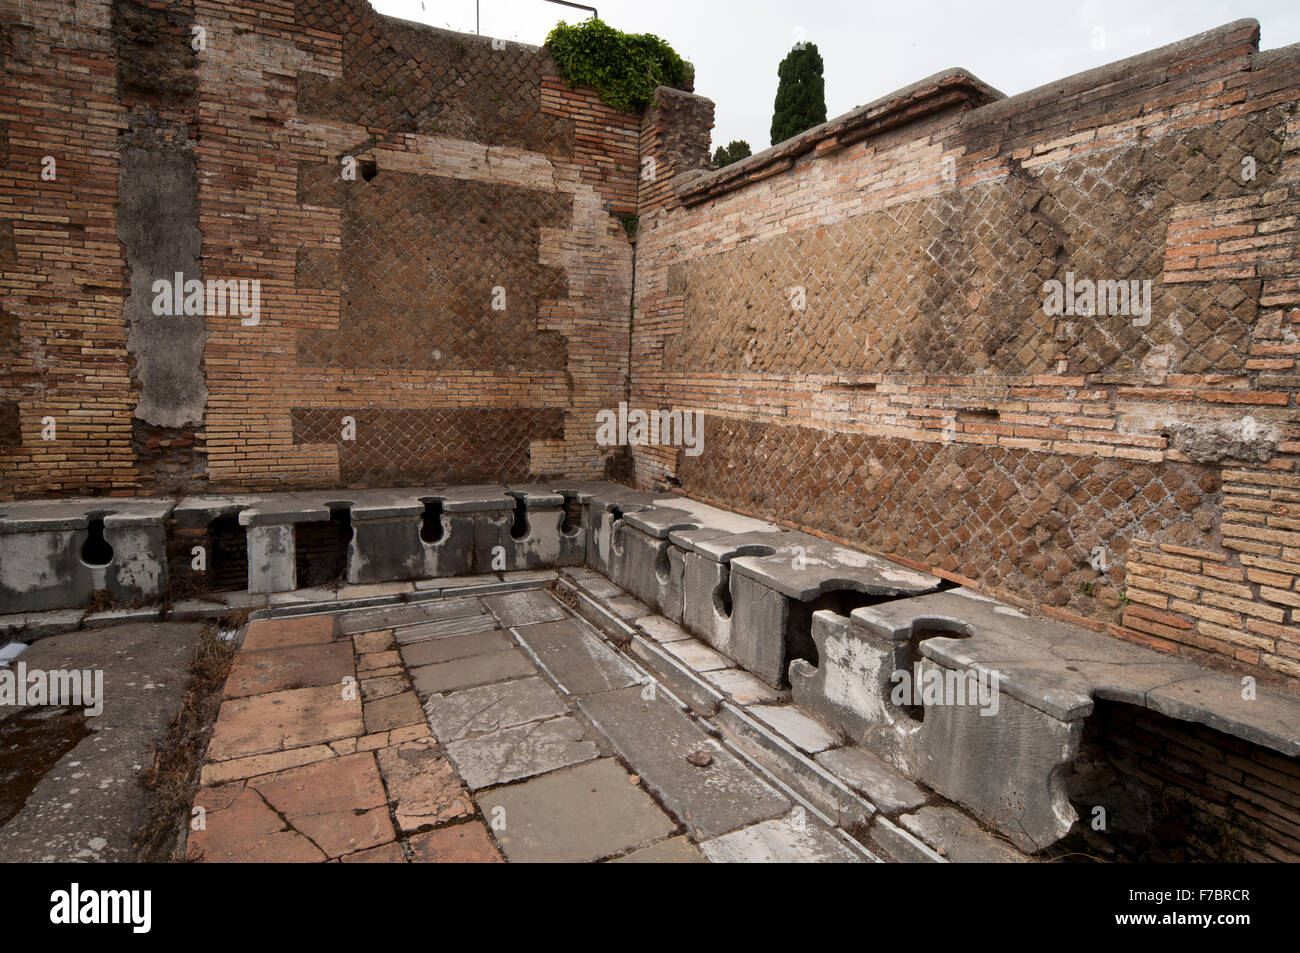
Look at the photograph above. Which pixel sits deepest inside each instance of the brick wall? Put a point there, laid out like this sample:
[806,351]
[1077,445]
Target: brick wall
[62,267]
[1174,791]
[477,170]
[862,314]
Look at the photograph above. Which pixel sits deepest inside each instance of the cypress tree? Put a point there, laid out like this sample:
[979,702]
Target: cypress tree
[734,151]
[801,95]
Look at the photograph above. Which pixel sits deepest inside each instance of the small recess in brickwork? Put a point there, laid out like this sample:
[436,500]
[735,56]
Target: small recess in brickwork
[228,545]
[8,250]
[11,433]
[572,524]
[410,447]
[321,548]
[418,260]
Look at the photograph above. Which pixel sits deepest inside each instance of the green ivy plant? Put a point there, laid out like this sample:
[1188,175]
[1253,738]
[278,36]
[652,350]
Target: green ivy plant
[623,68]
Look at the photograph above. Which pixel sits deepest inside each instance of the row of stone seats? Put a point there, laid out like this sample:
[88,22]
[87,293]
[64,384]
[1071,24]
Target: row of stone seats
[474,531]
[842,626]
[1004,757]
[747,588]
[57,554]
[834,624]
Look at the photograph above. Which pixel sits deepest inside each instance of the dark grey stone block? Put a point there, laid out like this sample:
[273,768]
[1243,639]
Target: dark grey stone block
[654,736]
[528,607]
[271,558]
[884,787]
[960,838]
[759,629]
[577,659]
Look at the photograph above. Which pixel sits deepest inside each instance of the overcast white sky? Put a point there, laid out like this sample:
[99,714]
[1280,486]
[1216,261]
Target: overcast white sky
[871,47]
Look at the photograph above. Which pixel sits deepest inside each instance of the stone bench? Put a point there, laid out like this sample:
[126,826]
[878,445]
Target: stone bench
[752,595]
[57,554]
[1004,757]
[384,536]
[400,535]
[604,505]
[744,586]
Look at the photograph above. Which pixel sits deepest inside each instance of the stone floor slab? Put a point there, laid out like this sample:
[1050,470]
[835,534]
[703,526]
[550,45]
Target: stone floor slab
[282,633]
[579,661]
[450,648]
[383,854]
[598,587]
[452,607]
[959,838]
[884,787]
[655,737]
[281,720]
[661,630]
[521,752]
[803,731]
[528,607]
[472,671]
[247,830]
[238,769]
[375,661]
[627,608]
[742,687]
[698,656]
[422,787]
[372,620]
[458,844]
[481,711]
[674,850]
[384,686]
[443,628]
[370,642]
[393,711]
[340,805]
[796,839]
[575,815]
[299,666]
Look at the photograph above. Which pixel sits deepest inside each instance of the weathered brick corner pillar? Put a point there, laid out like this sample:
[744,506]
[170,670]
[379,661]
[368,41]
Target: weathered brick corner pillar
[675,138]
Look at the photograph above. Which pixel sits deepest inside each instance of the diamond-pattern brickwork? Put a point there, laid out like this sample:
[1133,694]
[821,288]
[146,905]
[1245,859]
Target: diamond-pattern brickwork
[406,79]
[1012,519]
[953,283]
[420,257]
[415,447]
